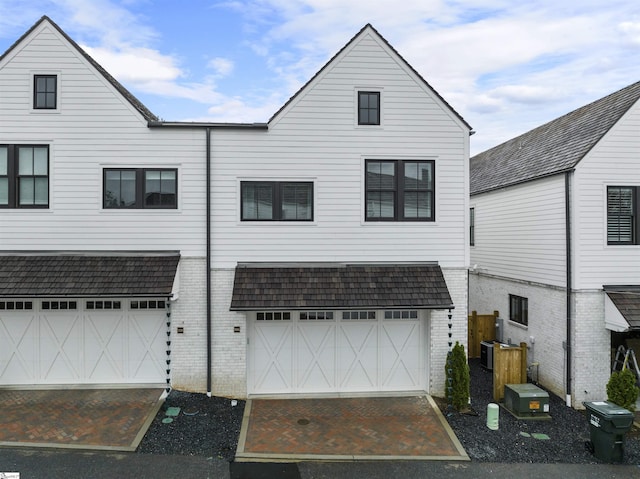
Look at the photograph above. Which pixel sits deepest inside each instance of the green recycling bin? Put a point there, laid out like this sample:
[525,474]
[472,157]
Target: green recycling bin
[608,424]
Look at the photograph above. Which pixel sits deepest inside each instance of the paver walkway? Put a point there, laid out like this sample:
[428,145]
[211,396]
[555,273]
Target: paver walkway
[114,419]
[347,428]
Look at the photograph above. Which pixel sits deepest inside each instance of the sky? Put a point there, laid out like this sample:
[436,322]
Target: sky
[505,66]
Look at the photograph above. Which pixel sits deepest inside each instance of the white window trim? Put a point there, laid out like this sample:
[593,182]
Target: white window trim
[376,89]
[40,111]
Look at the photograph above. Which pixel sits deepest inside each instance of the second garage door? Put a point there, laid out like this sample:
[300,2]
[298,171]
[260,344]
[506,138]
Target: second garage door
[336,351]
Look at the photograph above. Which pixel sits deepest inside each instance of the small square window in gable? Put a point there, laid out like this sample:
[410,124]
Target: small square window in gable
[369,108]
[45,92]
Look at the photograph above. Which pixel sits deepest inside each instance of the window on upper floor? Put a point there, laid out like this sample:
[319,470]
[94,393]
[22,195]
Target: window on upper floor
[45,92]
[24,176]
[622,211]
[472,226]
[400,190]
[368,108]
[519,309]
[140,188]
[276,200]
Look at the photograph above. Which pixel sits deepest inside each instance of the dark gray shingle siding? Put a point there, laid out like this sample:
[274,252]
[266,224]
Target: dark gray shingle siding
[79,275]
[345,287]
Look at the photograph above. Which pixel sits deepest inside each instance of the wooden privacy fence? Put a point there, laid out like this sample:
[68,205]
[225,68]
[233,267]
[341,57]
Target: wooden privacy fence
[481,327]
[509,367]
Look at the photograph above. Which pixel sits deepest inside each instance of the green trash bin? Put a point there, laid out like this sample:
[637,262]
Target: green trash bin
[608,424]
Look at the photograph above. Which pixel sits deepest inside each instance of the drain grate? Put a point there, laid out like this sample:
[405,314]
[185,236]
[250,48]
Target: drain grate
[303,422]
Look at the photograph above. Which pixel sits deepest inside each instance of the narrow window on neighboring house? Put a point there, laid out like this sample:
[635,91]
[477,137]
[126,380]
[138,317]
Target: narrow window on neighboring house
[368,108]
[45,92]
[24,176]
[140,188]
[622,209]
[399,190]
[276,201]
[472,227]
[519,309]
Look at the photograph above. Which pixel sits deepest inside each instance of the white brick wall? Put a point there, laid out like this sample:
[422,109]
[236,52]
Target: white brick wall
[439,330]
[229,349]
[547,323]
[591,365]
[188,350]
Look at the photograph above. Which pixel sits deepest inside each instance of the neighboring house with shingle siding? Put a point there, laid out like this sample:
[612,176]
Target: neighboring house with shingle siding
[338,233]
[555,244]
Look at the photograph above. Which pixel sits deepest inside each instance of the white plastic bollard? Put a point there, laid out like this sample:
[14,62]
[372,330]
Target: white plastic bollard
[493,416]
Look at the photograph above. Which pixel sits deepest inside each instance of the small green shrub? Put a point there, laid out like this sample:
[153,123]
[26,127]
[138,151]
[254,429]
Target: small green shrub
[458,377]
[622,389]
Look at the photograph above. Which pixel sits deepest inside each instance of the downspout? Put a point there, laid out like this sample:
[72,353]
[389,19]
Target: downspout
[208,194]
[567,202]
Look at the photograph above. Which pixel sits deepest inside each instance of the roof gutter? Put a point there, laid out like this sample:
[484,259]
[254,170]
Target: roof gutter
[208,254]
[208,126]
[567,202]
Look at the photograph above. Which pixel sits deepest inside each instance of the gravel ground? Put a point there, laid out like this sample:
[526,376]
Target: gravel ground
[210,427]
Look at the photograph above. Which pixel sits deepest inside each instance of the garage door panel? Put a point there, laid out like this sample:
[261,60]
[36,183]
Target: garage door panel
[358,356]
[18,333]
[400,358]
[272,358]
[60,352]
[147,346]
[104,345]
[316,362]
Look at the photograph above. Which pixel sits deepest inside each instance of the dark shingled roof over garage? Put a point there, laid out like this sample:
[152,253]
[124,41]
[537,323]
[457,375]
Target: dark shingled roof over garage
[344,286]
[627,300]
[83,275]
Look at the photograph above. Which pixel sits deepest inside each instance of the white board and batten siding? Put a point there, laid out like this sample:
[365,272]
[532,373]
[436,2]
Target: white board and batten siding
[614,161]
[316,138]
[93,128]
[520,232]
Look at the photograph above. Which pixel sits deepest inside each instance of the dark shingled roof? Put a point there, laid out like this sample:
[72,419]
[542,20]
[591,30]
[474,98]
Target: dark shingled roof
[552,148]
[420,286]
[137,104]
[81,275]
[627,300]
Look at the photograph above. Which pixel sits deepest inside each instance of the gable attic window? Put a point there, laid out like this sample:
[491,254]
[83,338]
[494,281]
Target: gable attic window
[147,188]
[622,211]
[400,190]
[45,92]
[24,176]
[368,108]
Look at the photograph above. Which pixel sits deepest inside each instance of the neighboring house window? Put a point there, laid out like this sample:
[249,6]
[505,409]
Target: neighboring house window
[400,190]
[140,188]
[24,176]
[472,226]
[368,108]
[45,92]
[622,210]
[276,201]
[519,309]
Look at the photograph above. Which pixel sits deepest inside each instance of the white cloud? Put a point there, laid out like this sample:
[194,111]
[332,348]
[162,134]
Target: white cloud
[221,66]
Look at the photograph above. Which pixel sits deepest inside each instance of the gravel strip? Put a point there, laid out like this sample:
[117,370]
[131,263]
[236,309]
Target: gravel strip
[210,427]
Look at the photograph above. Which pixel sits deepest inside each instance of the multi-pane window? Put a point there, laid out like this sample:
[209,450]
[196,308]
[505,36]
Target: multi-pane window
[276,201]
[622,210]
[472,227]
[400,190]
[368,108]
[45,89]
[519,309]
[24,176]
[140,188]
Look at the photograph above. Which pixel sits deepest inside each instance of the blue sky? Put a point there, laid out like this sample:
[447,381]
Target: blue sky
[506,66]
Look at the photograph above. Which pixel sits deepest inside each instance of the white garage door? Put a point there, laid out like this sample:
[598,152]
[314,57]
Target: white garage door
[334,351]
[44,342]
